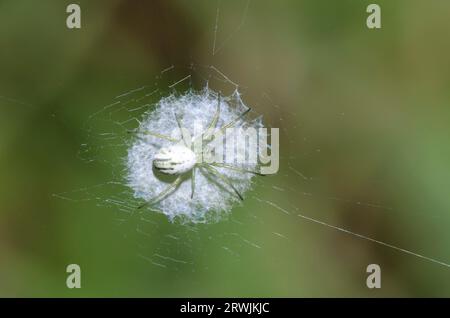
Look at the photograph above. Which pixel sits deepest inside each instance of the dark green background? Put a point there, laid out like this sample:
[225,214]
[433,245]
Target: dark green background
[364,114]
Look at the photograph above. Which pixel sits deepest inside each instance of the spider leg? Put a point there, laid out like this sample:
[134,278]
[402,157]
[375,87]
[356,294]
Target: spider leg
[230,167]
[209,131]
[164,193]
[147,132]
[233,122]
[182,131]
[223,178]
[193,182]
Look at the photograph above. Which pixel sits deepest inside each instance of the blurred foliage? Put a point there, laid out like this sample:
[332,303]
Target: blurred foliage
[370,131]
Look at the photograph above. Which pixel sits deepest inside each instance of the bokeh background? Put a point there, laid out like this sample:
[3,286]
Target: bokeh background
[364,116]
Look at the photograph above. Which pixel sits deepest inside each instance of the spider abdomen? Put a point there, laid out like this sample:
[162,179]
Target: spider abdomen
[175,159]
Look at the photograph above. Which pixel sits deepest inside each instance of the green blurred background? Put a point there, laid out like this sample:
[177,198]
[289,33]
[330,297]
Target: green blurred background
[363,113]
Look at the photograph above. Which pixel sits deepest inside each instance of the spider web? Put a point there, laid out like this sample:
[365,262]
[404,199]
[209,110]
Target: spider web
[108,139]
[177,246]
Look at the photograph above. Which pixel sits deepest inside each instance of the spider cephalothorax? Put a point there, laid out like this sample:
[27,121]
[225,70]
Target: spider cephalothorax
[179,158]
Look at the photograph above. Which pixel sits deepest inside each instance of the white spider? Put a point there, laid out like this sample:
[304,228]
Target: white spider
[180,160]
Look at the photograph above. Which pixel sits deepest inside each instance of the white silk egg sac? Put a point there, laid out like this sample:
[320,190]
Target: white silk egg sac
[153,163]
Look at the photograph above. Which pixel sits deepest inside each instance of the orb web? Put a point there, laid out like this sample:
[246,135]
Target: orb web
[180,245]
[107,146]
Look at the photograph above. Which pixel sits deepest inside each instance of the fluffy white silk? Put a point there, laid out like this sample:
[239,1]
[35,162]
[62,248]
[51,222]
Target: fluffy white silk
[212,196]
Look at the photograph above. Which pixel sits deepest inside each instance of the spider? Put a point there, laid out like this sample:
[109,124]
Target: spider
[179,159]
